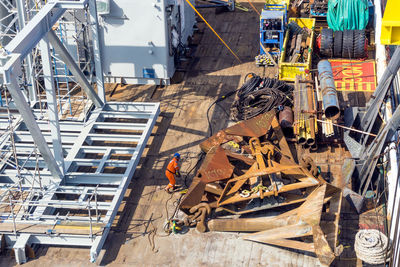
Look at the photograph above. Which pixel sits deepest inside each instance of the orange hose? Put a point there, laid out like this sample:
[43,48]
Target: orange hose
[209,26]
[254,8]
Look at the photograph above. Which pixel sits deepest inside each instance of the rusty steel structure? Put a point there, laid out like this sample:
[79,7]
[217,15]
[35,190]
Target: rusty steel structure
[249,167]
[304,221]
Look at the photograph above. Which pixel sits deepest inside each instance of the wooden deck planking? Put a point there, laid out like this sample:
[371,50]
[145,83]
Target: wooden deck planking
[180,128]
[187,104]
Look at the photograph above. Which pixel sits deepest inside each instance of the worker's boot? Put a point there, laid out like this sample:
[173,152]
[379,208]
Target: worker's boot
[169,190]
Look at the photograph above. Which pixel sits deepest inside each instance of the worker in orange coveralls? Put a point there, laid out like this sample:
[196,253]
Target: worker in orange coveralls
[172,170]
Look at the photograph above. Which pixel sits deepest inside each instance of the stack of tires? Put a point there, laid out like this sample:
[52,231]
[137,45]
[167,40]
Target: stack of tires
[343,44]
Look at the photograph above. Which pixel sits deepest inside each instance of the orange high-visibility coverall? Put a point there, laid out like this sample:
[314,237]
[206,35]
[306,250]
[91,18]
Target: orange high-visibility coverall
[172,168]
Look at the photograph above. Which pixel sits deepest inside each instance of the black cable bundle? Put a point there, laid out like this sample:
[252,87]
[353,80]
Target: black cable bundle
[259,95]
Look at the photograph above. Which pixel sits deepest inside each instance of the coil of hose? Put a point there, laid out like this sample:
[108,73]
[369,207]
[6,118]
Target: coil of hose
[259,95]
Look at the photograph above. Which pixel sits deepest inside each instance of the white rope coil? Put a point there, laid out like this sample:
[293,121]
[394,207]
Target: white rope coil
[371,246]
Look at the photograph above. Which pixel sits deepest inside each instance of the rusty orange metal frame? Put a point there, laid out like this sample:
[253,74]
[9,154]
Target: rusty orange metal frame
[216,167]
[255,127]
[303,221]
[267,168]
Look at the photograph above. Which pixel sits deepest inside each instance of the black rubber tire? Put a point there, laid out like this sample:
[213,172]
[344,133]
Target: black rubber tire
[327,42]
[359,44]
[348,44]
[337,43]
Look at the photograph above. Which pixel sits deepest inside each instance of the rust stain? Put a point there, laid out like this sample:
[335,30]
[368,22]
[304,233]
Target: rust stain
[216,166]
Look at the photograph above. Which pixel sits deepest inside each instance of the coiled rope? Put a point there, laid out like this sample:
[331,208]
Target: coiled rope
[371,246]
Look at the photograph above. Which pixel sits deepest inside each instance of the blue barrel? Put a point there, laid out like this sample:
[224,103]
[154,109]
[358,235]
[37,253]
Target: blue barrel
[328,89]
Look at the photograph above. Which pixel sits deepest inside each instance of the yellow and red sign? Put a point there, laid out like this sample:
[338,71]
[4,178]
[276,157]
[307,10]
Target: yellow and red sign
[354,75]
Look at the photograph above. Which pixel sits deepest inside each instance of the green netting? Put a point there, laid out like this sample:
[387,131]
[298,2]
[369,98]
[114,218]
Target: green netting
[347,14]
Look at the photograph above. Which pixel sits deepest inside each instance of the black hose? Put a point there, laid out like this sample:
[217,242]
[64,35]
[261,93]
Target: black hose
[216,102]
[200,158]
[258,95]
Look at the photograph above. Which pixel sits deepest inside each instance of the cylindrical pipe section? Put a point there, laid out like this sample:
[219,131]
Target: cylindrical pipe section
[324,130]
[331,131]
[311,137]
[314,147]
[286,118]
[302,138]
[329,95]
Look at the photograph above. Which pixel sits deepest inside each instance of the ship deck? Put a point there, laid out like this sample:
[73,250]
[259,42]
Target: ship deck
[182,125]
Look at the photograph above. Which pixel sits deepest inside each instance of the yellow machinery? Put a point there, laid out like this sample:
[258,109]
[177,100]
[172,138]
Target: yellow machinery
[278,2]
[287,69]
[390,34]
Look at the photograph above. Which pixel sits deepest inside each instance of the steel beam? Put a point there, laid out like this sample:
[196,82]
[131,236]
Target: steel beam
[95,250]
[39,25]
[52,109]
[68,4]
[32,33]
[27,148]
[101,149]
[63,204]
[76,190]
[111,184]
[120,126]
[139,108]
[375,103]
[96,50]
[113,137]
[61,240]
[33,127]
[21,22]
[82,137]
[371,155]
[91,179]
[65,126]
[18,48]
[24,136]
[73,67]
[19,248]
[28,179]
[126,115]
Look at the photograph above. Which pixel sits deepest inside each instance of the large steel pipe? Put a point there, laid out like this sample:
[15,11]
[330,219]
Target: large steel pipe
[329,95]
[286,118]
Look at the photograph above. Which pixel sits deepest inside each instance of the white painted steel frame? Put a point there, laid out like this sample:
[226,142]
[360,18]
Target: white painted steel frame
[40,201]
[19,47]
[84,184]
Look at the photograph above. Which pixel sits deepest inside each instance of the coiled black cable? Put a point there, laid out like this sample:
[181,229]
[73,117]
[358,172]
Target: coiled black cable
[258,95]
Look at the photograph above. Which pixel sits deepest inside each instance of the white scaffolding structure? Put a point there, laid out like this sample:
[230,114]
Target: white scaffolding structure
[73,29]
[62,180]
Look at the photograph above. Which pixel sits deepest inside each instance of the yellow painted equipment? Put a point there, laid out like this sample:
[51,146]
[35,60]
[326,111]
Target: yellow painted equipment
[277,2]
[390,34]
[288,71]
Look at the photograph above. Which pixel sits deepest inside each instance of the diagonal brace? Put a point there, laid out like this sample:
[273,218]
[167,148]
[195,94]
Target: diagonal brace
[73,67]
[33,127]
